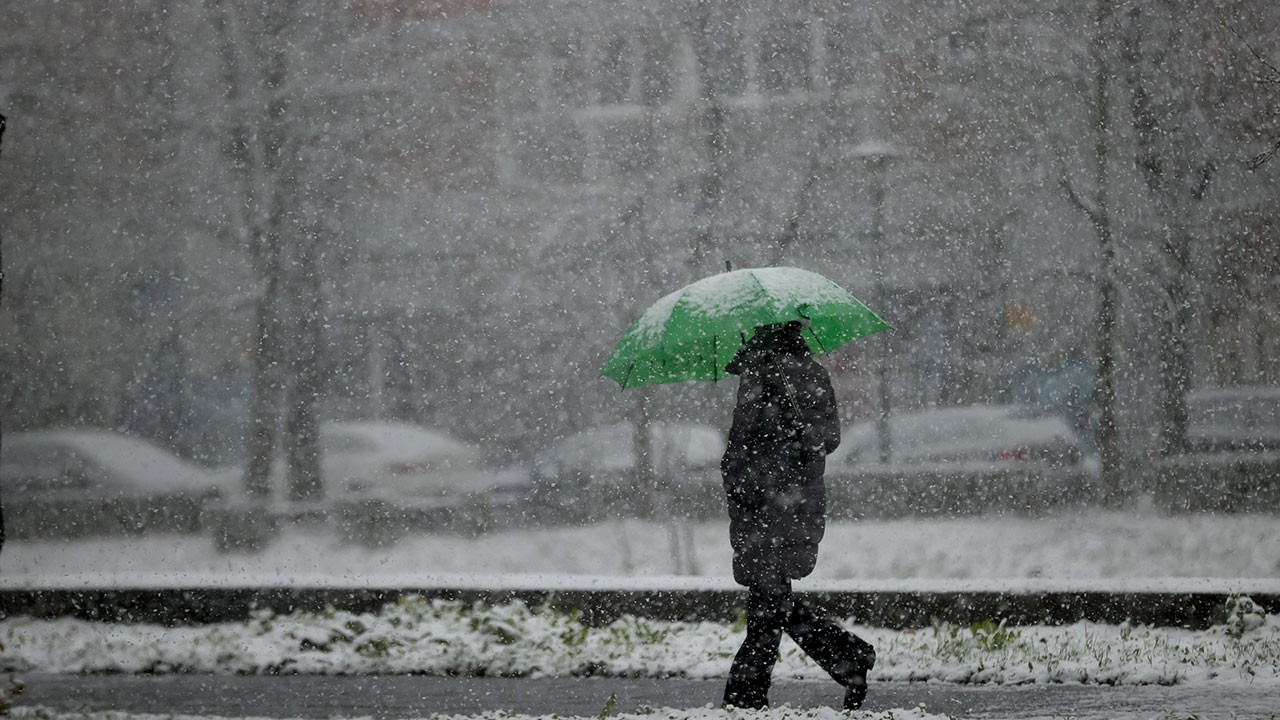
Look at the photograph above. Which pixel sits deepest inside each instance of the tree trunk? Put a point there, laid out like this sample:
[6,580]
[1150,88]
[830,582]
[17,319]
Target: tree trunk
[260,153]
[263,411]
[270,348]
[302,429]
[714,131]
[1105,323]
[1105,389]
[1178,175]
[2,123]
[646,478]
[1175,365]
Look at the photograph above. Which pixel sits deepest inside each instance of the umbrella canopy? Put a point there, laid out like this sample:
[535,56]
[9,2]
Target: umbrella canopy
[694,332]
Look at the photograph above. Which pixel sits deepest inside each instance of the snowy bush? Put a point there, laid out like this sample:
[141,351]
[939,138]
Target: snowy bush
[1243,615]
[417,635]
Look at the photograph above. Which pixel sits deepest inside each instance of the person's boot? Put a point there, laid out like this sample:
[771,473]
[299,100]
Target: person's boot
[855,687]
[747,698]
[747,687]
[855,692]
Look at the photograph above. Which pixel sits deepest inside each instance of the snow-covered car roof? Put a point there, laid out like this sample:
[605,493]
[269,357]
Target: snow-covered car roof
[611,448]
[394,440]
[970,432]
[1242,417]
[397,457]
[139,464]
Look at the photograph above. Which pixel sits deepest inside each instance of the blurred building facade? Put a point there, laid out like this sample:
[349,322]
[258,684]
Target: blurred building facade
[497,188]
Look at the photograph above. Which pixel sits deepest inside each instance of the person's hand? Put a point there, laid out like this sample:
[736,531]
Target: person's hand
[811,440]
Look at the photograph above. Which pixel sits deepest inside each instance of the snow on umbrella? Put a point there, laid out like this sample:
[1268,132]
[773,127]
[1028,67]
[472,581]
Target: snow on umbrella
[694,332]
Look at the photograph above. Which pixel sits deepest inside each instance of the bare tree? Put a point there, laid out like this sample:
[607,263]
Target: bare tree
[2,124]
[1098,209]
[1170,68]
[1267,80]
[264,139]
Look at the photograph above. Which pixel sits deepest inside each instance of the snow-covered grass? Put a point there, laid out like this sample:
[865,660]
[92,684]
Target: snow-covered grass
[1068,548]
[780,713]
[416,635]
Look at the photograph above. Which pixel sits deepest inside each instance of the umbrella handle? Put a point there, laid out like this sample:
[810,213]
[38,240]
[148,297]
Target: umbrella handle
[808,325]
[790,390]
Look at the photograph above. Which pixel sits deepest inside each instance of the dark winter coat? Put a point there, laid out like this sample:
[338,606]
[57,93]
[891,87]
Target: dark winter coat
[784,426]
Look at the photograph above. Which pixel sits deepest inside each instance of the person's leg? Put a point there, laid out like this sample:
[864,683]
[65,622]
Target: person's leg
[845,656]
[751,673]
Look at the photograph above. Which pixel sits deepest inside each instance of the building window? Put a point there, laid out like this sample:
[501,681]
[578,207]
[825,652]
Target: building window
[548,147]
[613,76]
[851,58]
[657,79]
[545,83]
[568,80]
[633,71]
[724,64]
[969,42]
[637,72]
[575,113]
[783,64]
[524,81]
[622,149]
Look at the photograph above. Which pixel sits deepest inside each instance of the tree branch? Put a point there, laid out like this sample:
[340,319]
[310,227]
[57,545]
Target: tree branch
[1275,71]
[791,233]
[1075,198]
[1263,157]
[1207,171]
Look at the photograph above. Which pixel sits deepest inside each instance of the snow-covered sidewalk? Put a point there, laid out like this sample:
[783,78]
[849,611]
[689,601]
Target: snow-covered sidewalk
[784,713]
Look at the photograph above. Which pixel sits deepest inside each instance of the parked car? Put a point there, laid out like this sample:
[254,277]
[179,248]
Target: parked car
[593,472]
[612,449]
[960,460]
[378,457]
[1233,454]
[382,480]
[79,482]
[1233,419]
[973,435]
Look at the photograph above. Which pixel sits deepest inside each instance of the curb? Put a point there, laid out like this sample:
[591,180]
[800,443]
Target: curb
[889,609]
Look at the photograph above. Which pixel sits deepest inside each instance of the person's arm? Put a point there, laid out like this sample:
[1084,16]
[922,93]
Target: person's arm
[821,417]
[830,414]
[745,414]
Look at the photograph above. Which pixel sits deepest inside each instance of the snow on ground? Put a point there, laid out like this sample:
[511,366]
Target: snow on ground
[416,635]
[1071,549]
[783,713]
[1117,550]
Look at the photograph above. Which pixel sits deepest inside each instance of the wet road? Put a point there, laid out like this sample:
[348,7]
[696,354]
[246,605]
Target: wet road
[399,696]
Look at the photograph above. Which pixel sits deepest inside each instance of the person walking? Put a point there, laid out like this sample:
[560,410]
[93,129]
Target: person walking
[785,423]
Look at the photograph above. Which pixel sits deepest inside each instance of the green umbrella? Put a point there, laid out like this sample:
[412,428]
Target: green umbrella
[694,332]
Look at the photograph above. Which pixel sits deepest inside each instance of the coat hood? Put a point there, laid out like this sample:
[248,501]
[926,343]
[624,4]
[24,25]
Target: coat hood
[769,341]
